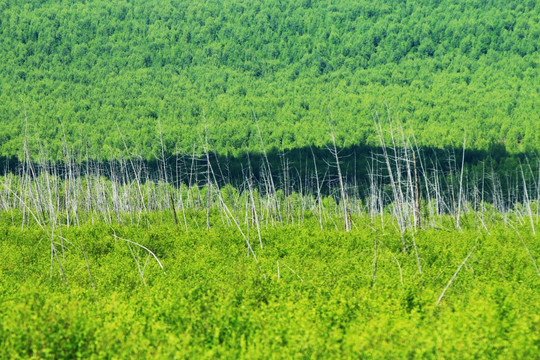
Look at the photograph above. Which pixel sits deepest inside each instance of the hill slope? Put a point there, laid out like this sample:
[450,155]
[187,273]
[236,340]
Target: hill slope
[86,67]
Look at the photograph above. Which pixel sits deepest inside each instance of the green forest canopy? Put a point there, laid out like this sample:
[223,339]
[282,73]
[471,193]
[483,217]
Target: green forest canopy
[89,68]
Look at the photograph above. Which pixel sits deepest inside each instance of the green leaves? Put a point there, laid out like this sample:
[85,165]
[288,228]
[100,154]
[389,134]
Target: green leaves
[134,64]
[215,302]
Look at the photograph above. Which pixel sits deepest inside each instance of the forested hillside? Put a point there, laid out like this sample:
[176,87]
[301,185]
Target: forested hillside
[90,68]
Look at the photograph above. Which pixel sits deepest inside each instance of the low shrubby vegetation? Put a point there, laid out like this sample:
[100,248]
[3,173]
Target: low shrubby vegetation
[312,293]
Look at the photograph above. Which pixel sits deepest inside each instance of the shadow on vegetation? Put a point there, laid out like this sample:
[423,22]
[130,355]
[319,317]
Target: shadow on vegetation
[297,167]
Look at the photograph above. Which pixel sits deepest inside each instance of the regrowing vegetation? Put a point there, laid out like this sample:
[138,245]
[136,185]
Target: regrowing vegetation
[269,180]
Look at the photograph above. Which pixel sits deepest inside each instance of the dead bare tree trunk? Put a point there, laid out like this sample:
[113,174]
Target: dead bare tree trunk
[417,195]
[340,178]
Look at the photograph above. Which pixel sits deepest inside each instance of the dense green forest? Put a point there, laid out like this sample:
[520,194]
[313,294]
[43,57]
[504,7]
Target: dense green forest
[89,68]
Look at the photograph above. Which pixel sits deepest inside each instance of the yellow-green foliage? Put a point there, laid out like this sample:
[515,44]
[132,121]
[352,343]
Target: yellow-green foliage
[214,302]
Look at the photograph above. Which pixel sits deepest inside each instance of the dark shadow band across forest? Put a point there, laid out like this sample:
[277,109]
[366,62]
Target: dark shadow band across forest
[298,170]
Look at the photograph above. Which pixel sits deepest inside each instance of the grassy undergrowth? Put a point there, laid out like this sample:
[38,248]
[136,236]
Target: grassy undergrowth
[213,301]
